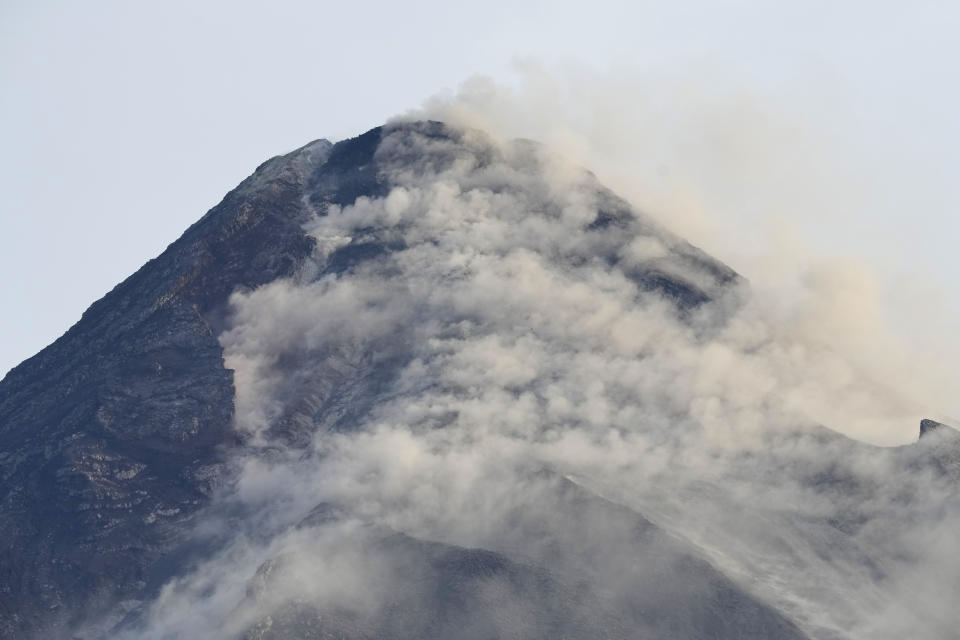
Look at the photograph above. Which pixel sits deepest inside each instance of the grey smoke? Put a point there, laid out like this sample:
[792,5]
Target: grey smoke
[794,197]
[501,335]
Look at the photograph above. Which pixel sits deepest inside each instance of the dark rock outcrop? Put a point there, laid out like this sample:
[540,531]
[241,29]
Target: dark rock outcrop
[928,426]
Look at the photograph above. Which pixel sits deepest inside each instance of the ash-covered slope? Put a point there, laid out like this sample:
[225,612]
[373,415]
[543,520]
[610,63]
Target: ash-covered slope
[378,391]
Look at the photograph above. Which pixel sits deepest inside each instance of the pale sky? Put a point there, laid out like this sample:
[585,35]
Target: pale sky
[122,123]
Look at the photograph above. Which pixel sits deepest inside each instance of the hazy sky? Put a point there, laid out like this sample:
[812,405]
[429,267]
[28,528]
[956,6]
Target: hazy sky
[122,123]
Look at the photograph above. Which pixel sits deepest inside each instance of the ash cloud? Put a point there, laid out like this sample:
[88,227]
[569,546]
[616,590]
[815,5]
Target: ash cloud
[782,185]
[499,345]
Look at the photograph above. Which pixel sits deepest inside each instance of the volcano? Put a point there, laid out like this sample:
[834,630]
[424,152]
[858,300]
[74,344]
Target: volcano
[424,383]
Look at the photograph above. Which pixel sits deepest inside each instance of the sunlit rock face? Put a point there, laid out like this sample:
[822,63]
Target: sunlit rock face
[426,384]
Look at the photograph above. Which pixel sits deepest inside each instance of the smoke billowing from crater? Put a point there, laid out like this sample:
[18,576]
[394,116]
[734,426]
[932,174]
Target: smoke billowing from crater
[781,183]
[496,353]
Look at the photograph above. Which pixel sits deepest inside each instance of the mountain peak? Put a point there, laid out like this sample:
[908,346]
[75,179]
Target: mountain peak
[928,426]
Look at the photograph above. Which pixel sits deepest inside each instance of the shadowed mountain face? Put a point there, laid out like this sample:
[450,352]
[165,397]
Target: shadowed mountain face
[419,384]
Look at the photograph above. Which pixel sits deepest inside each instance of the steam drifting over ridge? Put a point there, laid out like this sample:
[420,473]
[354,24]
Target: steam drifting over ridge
[493,324]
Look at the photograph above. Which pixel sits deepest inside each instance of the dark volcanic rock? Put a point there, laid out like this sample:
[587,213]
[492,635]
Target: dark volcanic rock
[928,426]
[113,436]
